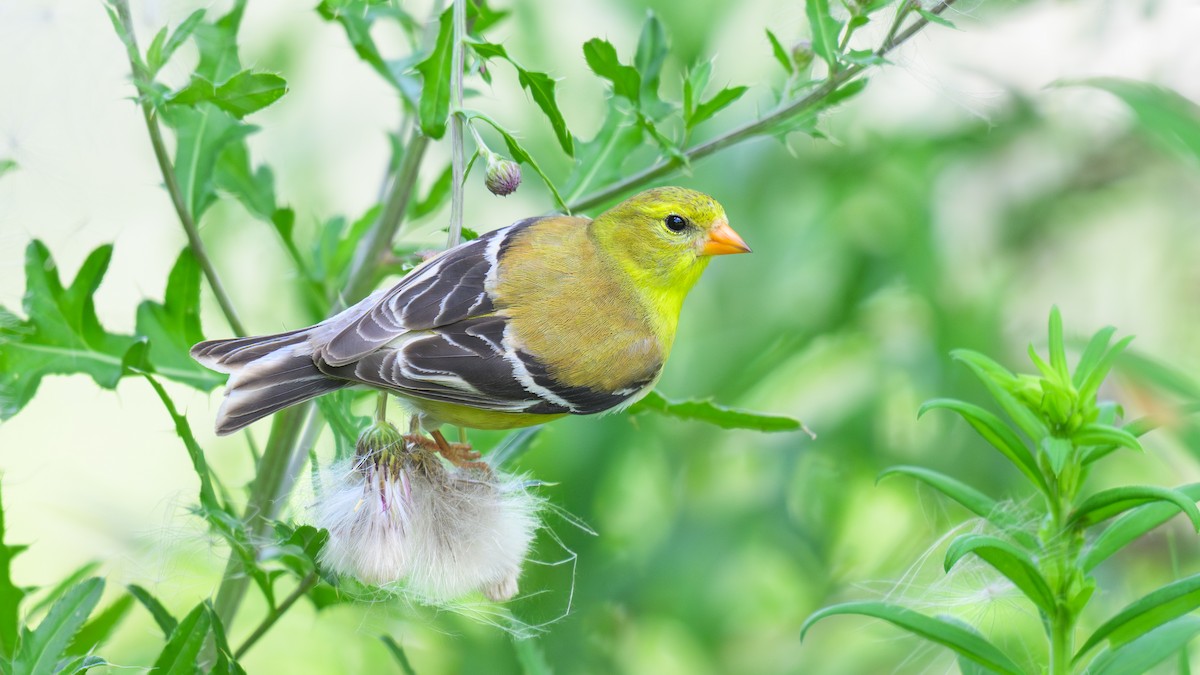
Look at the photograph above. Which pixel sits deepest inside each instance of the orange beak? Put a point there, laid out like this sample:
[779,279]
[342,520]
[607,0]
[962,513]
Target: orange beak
[722,240]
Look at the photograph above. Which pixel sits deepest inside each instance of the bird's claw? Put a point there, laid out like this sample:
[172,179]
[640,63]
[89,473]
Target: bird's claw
[458,454]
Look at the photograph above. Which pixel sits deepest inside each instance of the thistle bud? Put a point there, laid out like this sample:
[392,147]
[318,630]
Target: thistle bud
[396,515]
[503,175]
[802,55]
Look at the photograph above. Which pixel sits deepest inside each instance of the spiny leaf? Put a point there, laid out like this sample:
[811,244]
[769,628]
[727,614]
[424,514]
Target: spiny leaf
[434,107]
[162,617]
[712,106]
[1132,525]
[43,648]
[208,497]
[10,595]
[244,93]
[600,160]
[825,30]
[995,432]
[162,48]
[541,87]
[61,335]
[1008,560]
[780,53]
[202,133]
[601,57]
[356,19]
[712,413]
[178,657]
[964,641]
[174,326]
[1146,613]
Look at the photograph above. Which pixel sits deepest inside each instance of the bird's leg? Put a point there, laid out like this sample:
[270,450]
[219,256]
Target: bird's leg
[459,454]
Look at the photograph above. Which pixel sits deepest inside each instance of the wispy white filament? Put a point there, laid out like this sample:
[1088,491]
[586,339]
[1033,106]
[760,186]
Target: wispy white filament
[440,533]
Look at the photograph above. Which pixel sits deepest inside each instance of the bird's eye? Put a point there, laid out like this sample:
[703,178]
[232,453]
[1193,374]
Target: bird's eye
[676,223]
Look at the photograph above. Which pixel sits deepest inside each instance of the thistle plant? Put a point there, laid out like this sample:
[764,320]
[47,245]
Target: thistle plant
[1056,433]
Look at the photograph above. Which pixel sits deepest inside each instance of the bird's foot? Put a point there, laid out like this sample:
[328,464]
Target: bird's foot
[458,454]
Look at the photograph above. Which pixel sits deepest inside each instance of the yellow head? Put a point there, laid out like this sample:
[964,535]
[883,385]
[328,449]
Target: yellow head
[664,238]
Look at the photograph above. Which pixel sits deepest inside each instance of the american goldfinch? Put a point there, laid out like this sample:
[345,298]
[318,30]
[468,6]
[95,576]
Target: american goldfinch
[547,317]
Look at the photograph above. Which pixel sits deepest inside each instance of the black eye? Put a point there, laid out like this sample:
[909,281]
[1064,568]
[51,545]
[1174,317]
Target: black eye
[676,223]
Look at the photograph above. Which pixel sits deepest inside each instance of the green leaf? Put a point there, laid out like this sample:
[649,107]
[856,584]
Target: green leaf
[1096,347]
[1161,113]
[541,87]
[100,628]
[7,165]
[1103,434]
[995,432]
[254,188]
[934,18]
[208,497]
[1058,451]
[825,30]
[963,641]
[178,657]
[996,379]
[652,50]
[438,193]
[397,653]
[1008,560]
[1132,525]
[43,648]
[49,597]
[1058,347]
[1161,375]
[202,133]
[531,657]
[434,107]
[356,18]
[1142,654]
[600,160]
[712,106]
[601,57]
[217,42]
[1145,614]
[162,617]
[10,595]
[519,154]
[226,660]
[162,48]
[694,84]
[298,547]
[712,413]
[1108,503]
[174,326]
[669,147]
[61,336]
[1091,384]
[244,93]
[973,500]
[780,53]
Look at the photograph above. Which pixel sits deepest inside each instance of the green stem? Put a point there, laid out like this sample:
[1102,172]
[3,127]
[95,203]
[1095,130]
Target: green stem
[756,128]
[168,173]
[454,234]
[307,583]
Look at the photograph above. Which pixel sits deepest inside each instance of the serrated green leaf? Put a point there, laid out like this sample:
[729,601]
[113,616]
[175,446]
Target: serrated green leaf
[541,87]
[995,432]
[162,48]
[712,413]
[1145,614]
[948,633]
[1161,114]
[244,93]
[173,326]
[520,155]
[600,160]
[162,617]
[100,628]
[1108,503]
[1149,650]
[652,50]
[1132,525]
[10,594]
[178,657]
[973,500]
[825,30]
[356,19]
[712,106]
[669,147]
[1009,561]
[601,57]
[43,648]
[253,188]
[202,133]
[62,335]
[434,106]
[694,84]
[298,547]
[780,53]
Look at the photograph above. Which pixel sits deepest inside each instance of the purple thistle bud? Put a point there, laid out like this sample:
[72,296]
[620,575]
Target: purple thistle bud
[503,175]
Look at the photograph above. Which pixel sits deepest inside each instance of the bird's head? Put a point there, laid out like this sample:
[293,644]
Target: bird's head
[664,237]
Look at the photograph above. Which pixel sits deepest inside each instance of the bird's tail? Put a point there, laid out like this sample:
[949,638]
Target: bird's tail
[267,373]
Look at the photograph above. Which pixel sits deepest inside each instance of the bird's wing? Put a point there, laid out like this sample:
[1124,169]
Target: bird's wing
[474,363]
[450,288]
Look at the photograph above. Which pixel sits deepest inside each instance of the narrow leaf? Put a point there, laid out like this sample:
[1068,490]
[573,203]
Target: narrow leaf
[1091,384]
[1108,503]
[100,628]
[434,105]
[712,413]
[780,53]
[963,641]
[42,649]
[178,657]
[398,654]
[712,106]
[995,378]
[1058,347]
[995,432]
[825,30]
[10,595]
[973,500]
[1145,614]
[1091,354]
[1142,654]
[181,34]
[162,617]
[1103,434]
[208,497]
[541,87]
[1162,114]
[1008,560]
[934,18]
[1132,525]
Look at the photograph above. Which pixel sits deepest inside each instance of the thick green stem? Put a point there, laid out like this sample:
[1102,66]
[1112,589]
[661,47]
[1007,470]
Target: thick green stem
[456,125]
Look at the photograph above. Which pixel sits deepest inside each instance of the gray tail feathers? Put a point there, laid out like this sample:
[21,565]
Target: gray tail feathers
[267,373]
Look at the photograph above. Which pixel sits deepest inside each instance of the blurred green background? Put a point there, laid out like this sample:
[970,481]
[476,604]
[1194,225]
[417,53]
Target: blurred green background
[958,200]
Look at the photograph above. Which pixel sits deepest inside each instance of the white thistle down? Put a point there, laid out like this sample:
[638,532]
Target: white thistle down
[395,514]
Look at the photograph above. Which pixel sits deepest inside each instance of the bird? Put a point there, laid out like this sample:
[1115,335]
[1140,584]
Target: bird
[547,317]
